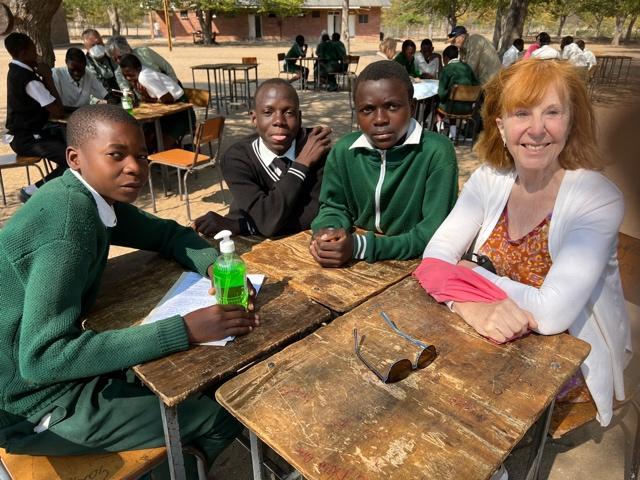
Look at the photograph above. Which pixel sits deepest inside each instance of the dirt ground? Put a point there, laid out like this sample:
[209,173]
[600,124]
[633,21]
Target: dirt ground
[601,452]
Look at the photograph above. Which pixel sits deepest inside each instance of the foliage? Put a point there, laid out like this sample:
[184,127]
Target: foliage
[94,12]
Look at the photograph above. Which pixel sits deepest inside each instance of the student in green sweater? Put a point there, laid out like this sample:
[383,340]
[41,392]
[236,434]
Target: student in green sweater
[407,60]
[65,390]
[394,180]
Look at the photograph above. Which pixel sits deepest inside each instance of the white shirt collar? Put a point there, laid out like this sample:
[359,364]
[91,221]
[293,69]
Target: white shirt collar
[105,211]
[20,64]
[454,60]
[413,137]
[268,156]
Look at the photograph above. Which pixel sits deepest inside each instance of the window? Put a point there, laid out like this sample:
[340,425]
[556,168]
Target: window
[363,18]
[315,14]
[184,14]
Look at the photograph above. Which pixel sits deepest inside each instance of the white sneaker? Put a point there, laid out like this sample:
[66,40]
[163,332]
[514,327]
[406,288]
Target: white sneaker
[452,132]
[30,189]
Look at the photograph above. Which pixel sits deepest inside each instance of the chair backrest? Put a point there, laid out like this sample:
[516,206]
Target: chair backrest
[197,96]
[208,131]
[249,61]
[465,93]
[281,57]
[353,61]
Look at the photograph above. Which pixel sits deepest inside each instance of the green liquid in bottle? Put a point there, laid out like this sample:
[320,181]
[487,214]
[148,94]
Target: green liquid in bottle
[230,280]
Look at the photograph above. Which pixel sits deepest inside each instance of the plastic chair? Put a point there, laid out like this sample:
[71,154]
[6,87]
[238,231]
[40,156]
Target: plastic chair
[465,94]
[11,160]
[208,132]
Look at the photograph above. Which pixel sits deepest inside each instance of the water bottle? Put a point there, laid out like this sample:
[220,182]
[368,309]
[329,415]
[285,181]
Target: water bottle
[127,100]
[230,273]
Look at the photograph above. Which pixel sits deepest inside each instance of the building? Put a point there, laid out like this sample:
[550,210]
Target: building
[317,16]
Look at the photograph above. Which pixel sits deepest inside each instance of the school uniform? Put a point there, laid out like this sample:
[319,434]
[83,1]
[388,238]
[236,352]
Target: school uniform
[272,195]
[454,73]
[65,390]
[400,196]
[77,93]
[27,119]
[409,65]
[430,67]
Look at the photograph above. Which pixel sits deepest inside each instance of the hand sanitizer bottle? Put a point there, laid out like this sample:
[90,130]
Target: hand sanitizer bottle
[127,100]
[230,273]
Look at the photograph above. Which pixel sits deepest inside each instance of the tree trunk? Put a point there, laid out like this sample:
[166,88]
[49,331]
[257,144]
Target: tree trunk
[114,19]
[33,17]
[562,19]
[497,27]
[598,25]
[514,25]
[618,29]
[632,21]
[345,24]
[205,19]
[452,18]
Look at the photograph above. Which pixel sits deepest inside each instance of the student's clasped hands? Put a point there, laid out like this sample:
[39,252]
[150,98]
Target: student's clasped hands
[332,247]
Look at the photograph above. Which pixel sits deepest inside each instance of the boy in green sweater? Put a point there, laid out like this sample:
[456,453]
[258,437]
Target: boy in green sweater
[394,180]
[65,390]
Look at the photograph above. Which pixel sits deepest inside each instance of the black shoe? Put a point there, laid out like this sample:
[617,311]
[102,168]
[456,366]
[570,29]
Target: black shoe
[23,195]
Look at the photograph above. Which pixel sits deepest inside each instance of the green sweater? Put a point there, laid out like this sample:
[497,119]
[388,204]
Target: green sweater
[399,196]
[53,252]
[455,73]
[409,65]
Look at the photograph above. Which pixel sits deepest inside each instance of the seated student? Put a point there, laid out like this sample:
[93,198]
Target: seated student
[154,86]
[513,53]
[70,382]
[571,52]
[329,62]
[387,49]
[589,57]
[98,62]
[75,84]
[454,72]
[546,51]
[274,174]
[394,180]
[117,47]
[406,58]
[341,51]
[297,50]
[427,61]
[32,99]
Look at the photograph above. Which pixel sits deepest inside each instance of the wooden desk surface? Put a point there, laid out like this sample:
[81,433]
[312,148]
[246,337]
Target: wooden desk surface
[339,289]
[322,410]
[134,283]
[147,112]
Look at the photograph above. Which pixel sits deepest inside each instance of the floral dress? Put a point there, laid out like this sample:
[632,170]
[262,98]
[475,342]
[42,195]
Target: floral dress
[527,260]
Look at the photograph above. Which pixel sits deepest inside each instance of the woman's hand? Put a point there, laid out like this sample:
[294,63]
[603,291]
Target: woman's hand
[500,321]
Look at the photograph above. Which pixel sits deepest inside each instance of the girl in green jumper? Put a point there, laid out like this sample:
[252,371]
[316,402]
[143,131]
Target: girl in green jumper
[394,180]
[65,390]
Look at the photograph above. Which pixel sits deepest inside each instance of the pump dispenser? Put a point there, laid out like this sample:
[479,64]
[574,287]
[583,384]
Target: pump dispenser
[229,273]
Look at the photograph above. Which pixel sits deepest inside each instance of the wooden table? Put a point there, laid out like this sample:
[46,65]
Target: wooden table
[339,289]
[330,417]
[208,68]
[285,316]
[153,112]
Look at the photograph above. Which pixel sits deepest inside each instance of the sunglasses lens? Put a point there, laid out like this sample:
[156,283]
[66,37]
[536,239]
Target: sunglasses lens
[427,356]
[399,371]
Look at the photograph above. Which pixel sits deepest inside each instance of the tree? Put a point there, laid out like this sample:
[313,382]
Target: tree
[281,9]
[514,25]
[599,9]
[96,12]
[33,17]
[451,9]
[560,10]
[632,22]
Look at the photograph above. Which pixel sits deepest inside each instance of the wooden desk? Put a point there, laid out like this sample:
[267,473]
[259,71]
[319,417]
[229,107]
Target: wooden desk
[629,258]
[285,316]
[339,289]
[330,417]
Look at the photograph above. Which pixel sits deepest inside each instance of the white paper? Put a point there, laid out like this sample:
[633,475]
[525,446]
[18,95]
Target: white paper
[189,293]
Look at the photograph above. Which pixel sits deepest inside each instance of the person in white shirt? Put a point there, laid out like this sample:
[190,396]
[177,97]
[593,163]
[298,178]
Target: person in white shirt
[572,53]
[548,220]
[157,87]
[427,61]
[589,57]
[75,84]
[545,52]
[514,53]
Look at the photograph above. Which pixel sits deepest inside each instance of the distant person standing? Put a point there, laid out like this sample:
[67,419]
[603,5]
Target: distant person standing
[428,62]
[98,62]
[477,52]
[514,53]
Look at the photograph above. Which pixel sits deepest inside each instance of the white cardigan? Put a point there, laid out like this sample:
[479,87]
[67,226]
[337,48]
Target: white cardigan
[582,291]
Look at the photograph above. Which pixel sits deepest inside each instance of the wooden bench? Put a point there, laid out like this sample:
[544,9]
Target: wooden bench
[123,465]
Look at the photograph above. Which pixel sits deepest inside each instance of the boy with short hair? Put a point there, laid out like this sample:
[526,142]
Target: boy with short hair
[67,383]
[394,180]
[274,174]
[32,99]
[75,83]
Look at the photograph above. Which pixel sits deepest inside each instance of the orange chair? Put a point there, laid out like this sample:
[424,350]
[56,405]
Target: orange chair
[208,132]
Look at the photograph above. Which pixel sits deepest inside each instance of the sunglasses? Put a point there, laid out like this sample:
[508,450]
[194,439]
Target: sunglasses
[401,368]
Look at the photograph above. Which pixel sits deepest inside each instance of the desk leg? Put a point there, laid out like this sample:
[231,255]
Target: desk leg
[172,440]
[256,455]
[163,168]
[539,440]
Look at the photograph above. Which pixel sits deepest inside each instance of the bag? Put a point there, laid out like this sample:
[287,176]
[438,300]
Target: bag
[480,260]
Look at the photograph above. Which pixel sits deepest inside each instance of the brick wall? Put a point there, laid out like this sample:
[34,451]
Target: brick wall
[236,27]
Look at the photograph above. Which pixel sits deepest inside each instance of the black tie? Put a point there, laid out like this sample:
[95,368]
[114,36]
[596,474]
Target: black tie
[283,163]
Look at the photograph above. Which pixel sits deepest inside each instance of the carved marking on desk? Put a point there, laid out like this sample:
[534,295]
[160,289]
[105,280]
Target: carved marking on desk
[99,473]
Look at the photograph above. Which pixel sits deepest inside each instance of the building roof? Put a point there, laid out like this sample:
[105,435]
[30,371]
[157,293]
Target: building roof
[337,4]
